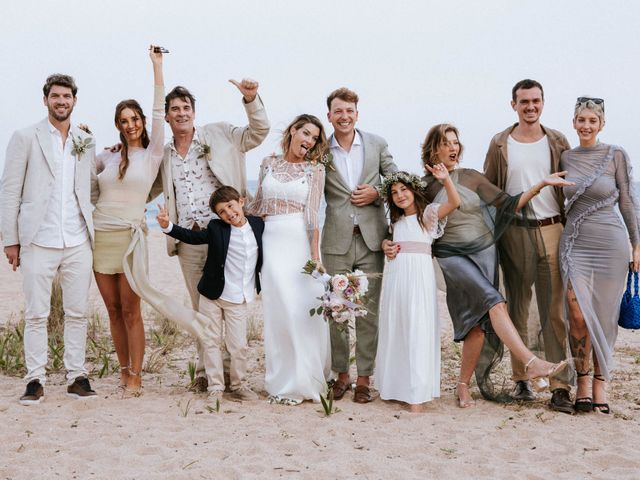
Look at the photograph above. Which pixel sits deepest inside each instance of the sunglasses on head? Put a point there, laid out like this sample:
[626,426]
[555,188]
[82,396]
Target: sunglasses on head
[597,101]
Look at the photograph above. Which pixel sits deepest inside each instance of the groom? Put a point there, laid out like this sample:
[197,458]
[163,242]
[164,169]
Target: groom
[355,225]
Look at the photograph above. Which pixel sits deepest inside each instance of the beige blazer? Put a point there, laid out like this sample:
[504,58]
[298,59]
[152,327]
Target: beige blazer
[28,179]
[337,232]
[227,159]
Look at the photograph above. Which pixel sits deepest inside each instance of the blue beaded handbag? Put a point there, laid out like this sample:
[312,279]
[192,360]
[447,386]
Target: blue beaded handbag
[630,305]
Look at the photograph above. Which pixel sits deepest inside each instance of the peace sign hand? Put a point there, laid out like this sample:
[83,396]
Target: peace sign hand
[248,88]
[163,216]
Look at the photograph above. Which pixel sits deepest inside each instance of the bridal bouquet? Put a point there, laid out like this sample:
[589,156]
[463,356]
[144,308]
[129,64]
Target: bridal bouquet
[342,298]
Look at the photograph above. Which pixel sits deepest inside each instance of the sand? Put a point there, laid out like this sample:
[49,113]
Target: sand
[169,433]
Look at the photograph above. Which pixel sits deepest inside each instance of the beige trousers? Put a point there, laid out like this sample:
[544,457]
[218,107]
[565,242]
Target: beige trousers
[524,269]
[192,258]
[228,326]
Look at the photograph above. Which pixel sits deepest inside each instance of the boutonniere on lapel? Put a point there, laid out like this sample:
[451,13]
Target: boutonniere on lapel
[204,151]
[327,161]
[80,145]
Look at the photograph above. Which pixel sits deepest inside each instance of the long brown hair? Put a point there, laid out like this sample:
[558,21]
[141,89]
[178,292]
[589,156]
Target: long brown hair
[124,153]
[436,136]
[315,154]
[419,199]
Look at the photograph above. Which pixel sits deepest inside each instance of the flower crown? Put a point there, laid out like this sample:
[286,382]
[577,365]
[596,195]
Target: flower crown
[405,177]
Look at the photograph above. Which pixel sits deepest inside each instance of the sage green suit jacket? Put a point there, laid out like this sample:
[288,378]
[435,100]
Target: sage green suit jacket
[337,232]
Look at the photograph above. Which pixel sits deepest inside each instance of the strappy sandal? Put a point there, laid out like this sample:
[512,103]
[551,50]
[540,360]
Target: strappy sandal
[132,392]
[121,386]
[541,382]
[583,404]
[461,403]
[600,407]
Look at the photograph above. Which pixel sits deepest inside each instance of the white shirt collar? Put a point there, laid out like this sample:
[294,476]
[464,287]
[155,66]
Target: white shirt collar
[357,141]
[54,130]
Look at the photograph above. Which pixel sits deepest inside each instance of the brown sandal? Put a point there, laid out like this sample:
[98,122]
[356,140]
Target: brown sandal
[362,394]
[339,389]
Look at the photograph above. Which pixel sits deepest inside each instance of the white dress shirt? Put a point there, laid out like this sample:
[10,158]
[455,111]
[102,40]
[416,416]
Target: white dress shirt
[349,164]
[63,224]
[240,265]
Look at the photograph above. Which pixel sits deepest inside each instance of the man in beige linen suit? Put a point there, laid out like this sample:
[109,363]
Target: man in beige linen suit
[197,161]
[354,228]
[48,185]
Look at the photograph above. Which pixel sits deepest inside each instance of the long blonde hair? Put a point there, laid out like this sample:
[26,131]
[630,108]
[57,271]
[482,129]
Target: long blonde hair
[314,154]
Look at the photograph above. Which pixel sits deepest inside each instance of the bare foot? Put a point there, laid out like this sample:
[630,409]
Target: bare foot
[416,408]
[465,400]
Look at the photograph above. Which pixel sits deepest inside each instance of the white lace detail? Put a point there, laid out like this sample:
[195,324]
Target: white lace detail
[433,225]
[287,188]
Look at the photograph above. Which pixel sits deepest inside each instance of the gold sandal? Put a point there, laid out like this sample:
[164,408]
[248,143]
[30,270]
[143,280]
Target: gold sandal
[541,383]
[132,392]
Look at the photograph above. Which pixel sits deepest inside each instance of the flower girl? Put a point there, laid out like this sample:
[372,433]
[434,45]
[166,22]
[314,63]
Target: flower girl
[408,359]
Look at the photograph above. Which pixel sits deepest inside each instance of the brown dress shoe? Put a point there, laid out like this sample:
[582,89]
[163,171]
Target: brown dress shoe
[339,389]
[362,394]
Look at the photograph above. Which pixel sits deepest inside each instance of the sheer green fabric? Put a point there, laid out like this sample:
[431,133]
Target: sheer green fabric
[485,213]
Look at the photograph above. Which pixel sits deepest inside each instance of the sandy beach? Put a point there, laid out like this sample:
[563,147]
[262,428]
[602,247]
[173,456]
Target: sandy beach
[170,433]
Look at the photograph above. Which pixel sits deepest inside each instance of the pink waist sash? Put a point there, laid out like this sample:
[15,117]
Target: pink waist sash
[415,247]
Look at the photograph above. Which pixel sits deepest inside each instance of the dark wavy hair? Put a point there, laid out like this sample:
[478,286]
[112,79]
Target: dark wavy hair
[419,199]
[124,153]
[62,81]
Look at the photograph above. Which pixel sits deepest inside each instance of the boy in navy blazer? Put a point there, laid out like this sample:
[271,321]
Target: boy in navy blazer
[230,278]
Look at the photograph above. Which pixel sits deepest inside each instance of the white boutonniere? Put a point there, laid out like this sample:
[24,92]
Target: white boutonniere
[327,161]
[204,151]
[80,145]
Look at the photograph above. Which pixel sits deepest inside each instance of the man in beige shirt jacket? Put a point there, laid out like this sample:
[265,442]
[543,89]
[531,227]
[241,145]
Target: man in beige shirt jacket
[197,161]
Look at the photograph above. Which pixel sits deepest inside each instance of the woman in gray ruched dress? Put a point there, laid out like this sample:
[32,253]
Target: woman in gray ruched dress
[594,249]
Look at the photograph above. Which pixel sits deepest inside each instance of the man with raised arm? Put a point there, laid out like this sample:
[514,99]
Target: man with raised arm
[198,161]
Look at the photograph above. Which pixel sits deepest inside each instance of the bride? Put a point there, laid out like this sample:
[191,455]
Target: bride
[288,197]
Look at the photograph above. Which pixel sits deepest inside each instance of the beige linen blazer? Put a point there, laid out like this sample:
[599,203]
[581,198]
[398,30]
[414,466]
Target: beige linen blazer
[227,159]
[337,232]
[28,180]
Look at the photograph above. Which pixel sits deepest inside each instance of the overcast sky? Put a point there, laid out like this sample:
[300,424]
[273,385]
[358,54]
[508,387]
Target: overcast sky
[413,63]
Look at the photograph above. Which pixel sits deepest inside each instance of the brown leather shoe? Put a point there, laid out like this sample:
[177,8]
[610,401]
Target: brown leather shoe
[339,389]
[362,394]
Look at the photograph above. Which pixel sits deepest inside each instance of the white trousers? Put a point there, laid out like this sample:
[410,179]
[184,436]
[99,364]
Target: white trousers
[39,267]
